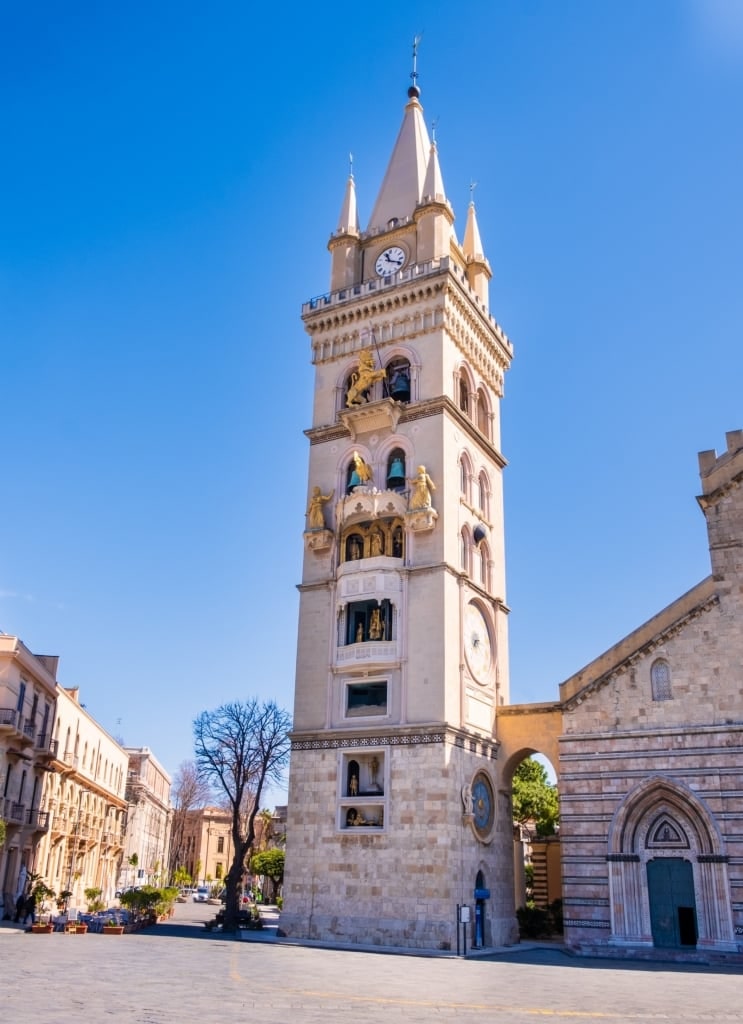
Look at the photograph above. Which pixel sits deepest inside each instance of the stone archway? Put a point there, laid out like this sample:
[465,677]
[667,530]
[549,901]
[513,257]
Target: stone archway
[661,818]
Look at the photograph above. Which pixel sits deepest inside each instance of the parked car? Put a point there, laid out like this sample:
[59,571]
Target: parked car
[201,895]
[129,888]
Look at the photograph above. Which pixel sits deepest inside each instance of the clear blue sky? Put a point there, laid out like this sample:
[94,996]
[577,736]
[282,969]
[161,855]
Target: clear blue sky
[170,176]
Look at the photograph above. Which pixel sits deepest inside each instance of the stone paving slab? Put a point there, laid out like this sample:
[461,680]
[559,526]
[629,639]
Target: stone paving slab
[178,973]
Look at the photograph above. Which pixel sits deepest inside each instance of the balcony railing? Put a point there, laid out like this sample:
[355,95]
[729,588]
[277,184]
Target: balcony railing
[8,717]
[13,812]
[38,820]
[370,650]
[47,747]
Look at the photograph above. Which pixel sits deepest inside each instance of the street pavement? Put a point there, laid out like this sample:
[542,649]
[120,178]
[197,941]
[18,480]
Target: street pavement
[178,973]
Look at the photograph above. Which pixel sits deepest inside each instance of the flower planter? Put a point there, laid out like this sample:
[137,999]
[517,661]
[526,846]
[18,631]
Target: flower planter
[81,929]
[42,929]
[113,929]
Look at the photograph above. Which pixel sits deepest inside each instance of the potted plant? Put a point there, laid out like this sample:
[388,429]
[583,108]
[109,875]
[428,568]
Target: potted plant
[94,901]
[40,892]
[112,928]
[63,899]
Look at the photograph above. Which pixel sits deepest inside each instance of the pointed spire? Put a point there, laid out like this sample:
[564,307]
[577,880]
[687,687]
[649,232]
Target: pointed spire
[348,222]
[402,186]
[433,186]
[472,246]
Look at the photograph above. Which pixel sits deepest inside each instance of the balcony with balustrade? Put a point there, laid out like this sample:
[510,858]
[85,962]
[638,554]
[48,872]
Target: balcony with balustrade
[15,726]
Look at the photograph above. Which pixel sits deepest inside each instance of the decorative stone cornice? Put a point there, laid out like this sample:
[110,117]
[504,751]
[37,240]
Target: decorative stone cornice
[404,736]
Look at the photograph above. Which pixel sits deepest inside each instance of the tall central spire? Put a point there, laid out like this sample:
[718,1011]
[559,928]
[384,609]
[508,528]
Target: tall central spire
[402,187]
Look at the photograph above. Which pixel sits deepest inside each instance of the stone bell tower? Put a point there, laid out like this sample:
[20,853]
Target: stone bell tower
[395,811]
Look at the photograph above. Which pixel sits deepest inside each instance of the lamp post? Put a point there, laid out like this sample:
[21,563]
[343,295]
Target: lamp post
[206,858]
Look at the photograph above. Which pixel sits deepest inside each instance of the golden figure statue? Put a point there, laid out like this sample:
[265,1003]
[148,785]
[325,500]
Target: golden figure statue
[422,487]
[376,627]
[361,472]
[315,511]
[363,378]
[377,544]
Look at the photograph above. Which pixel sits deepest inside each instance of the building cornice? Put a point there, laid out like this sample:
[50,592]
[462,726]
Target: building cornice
[402,736]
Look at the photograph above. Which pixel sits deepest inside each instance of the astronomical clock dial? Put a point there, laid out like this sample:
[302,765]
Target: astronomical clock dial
[477,645]
[483,805]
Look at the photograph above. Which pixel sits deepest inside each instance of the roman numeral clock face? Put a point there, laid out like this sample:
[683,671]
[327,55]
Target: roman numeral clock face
[477,644]
[390,261]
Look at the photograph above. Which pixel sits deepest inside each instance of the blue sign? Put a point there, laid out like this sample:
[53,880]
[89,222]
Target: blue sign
[482,894]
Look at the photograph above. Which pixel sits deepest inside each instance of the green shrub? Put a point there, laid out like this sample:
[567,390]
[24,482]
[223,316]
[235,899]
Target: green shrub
[534,922]
[555,913]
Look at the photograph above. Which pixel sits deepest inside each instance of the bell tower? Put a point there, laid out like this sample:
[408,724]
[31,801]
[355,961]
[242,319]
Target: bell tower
[396,814]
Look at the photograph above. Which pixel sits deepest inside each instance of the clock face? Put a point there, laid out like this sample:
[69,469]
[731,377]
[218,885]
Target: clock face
[477,646]
[390,261]
[483,807]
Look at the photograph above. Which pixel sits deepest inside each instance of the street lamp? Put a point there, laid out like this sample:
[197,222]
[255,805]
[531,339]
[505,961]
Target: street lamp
[206,858]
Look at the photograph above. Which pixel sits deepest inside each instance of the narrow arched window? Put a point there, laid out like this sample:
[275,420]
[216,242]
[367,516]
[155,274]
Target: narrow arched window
[484,565]
[396,470]
[464,551]
[483,416]
[465,475]
[660,680]
[483,494]
[398,379]
[464,395]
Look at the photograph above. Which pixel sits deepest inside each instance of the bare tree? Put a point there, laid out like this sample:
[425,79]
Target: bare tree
[187,793]
[239,748]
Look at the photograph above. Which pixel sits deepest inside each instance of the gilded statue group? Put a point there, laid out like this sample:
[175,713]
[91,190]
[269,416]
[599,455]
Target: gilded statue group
[361,474]
[420,496]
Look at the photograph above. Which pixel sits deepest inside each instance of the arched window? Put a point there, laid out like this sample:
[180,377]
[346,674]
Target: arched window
[463,396]
[354,547]
[464,550]
[660,680]
[398,379]
[396,470]
[484,565]
[358,473]
[483,413]
[465,475]
[483,494]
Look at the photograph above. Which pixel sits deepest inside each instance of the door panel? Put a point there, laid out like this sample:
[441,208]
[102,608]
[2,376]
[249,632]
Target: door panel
[672,902]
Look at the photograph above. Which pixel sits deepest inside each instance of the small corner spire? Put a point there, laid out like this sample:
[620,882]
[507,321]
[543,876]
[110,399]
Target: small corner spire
[472,244]
[348,222]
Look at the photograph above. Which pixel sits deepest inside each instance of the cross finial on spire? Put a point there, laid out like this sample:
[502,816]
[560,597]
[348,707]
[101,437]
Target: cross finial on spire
[414,91]
[350,164]
[473,186]
[433,129]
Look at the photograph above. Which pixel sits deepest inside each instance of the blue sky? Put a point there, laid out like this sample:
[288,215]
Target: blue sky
[170,177]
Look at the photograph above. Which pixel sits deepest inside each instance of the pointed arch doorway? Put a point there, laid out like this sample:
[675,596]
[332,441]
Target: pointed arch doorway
[673,910]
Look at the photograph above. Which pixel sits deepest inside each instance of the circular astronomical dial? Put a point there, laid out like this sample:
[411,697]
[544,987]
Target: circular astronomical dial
[483,805]
[477,645]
